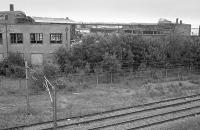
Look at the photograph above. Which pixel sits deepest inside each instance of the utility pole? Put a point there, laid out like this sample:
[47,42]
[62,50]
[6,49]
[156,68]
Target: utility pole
[27,89]
[6,39]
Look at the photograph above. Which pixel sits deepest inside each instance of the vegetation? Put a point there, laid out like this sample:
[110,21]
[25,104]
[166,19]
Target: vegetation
[125,51]
[13,66]
[109,54]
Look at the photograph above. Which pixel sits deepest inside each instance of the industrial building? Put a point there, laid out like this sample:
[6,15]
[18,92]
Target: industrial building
[35,41]
[163,27]
[37,38]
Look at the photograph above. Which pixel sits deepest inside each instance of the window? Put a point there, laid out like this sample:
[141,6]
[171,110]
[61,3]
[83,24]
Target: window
[151,32]
[16,38]
[156,32]
[1,38]
[36,38]
[128,31]
[134,32]
[55,38]
[2,17]
[148,32]
[6,17]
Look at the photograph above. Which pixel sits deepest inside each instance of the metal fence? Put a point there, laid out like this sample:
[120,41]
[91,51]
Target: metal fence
[151,75]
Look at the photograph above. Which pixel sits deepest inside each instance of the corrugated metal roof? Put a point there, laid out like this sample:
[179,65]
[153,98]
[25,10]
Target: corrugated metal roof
[52,20]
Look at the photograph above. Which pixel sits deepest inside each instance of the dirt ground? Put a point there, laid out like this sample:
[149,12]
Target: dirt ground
[89,100]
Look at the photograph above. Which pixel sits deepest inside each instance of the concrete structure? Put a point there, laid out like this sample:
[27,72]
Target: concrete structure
[35,41]
[163,27]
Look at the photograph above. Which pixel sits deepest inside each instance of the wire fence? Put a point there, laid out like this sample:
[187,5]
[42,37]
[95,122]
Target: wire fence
[155,75]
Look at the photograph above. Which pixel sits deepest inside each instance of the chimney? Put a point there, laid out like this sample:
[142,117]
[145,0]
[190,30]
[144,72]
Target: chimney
[11,7]
[176,20]
[181,22]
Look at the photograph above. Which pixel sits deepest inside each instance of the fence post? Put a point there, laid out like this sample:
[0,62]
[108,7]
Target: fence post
[111,77]
[54,108]
[166,75]
[1,84]
[97,79]
[179,75]
[27,89]
[124,76]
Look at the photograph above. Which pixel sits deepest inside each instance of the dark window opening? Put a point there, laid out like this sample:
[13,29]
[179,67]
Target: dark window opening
[55,38]
[16,38]
[134,31]
[156,32]
[36,38]
[1,38]
[151,32]
[148,32]
[128,31]
[6,17]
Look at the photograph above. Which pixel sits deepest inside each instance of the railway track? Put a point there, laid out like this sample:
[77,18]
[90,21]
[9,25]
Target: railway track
[133,117]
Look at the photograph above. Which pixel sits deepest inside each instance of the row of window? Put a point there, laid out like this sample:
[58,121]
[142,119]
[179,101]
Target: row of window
[35,38]
[3,17]
[144,32]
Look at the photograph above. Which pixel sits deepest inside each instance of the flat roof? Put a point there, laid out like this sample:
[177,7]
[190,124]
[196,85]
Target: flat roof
[52,20]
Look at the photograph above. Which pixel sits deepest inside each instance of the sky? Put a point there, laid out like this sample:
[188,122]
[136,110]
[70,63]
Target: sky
[117,11]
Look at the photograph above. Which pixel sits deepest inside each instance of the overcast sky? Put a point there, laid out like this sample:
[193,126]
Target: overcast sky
[145,11]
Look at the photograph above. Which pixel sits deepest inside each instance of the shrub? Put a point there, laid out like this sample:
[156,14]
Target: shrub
[15,59]
[37,77]
[13,66]
[36,80]
[19,71]
[50,71]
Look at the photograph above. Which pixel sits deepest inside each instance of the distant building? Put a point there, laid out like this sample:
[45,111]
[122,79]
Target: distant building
[163,27]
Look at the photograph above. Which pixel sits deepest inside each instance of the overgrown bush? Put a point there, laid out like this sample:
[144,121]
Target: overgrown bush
[19,71]
[130,52]
[15,59]
[37,77]
[13,66]
[50,71]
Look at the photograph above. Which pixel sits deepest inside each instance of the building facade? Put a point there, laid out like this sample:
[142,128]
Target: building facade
[35,41]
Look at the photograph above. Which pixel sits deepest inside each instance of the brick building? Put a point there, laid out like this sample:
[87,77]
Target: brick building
[35,41]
